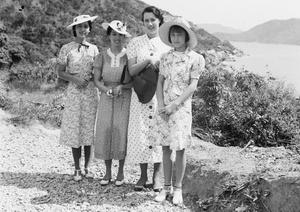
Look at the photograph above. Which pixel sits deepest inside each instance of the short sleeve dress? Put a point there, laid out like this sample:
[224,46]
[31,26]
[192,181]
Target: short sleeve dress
[139,147]
[178,68]
[113,113]
[79,114]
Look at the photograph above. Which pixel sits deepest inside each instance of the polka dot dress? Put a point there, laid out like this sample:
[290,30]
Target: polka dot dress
[139,148]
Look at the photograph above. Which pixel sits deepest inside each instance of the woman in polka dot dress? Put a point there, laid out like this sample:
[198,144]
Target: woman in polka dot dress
[142,51]
[113,108]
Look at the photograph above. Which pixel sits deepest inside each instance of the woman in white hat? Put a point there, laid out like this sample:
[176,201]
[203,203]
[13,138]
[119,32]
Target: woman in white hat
[113,107]
[75,62]
[142,51]
[180,69]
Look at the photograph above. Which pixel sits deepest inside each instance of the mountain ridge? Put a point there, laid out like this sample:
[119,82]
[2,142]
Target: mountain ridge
[274,31]
[214,28]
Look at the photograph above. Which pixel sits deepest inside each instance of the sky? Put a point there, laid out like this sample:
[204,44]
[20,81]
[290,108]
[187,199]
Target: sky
[238,14]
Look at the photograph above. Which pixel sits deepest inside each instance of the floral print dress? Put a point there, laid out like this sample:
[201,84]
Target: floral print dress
[139,147]
[178,68]
[79,114]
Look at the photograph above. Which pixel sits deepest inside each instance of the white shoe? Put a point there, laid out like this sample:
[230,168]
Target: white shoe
[88,174]
[163,194]
[177,198]
[77,175]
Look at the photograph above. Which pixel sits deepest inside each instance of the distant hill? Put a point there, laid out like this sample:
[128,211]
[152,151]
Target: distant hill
[213,28]
[274,31]
[35,30]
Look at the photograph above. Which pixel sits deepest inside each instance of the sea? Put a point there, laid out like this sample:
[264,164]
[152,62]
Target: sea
[277,60]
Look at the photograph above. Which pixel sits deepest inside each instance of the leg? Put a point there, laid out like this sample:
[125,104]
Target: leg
[120,175]
[76,156]
[143,179]
[168,168]
[156,177]
[180,169]
[76,152]
[107,177]
[87,160]
[87,156]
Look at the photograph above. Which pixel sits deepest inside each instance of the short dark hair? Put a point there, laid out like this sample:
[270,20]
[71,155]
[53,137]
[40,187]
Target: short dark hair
[156,12]
[74,28]
[176,28]
[108,31]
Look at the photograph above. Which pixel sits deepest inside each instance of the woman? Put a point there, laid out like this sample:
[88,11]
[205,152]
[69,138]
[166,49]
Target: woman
[75,62]
[113,108]
[142,51]
[180,69]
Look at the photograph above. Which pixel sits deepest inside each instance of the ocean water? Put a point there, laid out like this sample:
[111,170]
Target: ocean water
[278,60]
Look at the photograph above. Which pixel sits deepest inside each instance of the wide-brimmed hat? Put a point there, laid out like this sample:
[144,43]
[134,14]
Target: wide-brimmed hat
[81,19]
[164,31]
[144,84]
[118,26]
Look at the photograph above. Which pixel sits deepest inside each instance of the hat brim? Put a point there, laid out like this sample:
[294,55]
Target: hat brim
[82,21]
[164,33]
[106,25]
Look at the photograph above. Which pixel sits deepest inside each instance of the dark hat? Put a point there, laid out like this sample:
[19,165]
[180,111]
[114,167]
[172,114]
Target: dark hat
[144,84]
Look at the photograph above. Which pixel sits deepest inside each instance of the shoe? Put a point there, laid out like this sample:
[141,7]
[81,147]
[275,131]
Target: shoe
[105,182]
[88,174]
[119,183]
[77,175]
[164,193]
[139,187]
[177,198]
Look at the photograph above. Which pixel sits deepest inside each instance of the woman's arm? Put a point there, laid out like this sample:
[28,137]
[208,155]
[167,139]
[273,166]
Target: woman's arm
[68,77]
[186,94]
[97,78]
[160,97]
[135,68]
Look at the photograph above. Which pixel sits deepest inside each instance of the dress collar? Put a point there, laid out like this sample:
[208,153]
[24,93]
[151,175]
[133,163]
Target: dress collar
[115,59]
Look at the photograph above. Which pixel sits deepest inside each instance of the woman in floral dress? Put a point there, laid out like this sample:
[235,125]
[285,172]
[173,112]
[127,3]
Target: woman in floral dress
[142,51]
[75,62]
[180,69]
[113,108]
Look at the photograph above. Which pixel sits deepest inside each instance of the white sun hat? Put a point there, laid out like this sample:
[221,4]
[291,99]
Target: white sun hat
[118,26]
[81,19]
[179,21]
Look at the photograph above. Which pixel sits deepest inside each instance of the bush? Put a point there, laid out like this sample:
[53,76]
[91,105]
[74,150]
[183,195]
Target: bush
[237,107]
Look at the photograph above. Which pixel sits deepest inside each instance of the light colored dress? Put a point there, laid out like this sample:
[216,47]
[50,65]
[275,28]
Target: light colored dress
[113,113]
[139,147]
[178,68]
[79,114]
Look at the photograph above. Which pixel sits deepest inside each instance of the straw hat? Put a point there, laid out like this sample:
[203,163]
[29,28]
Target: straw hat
[165,28]
[81,19]
[118,26]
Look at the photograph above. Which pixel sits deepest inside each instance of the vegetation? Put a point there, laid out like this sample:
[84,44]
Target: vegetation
[230,107]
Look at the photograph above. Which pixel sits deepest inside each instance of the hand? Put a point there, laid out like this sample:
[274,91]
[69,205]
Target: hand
[81,83]
[169,109]
[117,91]
[154,60]
[161,113]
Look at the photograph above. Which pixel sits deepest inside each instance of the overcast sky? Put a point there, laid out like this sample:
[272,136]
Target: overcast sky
[238,14]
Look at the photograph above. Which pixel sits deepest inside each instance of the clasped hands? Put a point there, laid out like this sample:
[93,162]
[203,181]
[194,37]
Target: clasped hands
[115,92]
[166,111]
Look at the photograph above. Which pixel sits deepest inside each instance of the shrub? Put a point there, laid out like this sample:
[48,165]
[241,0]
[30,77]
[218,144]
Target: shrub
[237,107]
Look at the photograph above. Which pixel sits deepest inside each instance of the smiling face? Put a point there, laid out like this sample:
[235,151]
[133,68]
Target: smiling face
[116,39]
[82,30]
[151,24]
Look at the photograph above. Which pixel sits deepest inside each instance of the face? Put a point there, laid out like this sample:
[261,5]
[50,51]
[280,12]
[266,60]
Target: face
[151,24]
[178,39]
[82,30]
[116,39]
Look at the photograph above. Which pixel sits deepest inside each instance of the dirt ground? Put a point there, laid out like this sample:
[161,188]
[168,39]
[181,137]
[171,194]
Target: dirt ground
[35,176]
